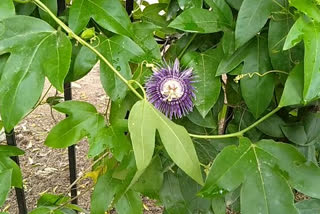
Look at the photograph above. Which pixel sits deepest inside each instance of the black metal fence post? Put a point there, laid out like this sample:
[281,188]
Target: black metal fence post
[21,199]
[129,7]
[71,149]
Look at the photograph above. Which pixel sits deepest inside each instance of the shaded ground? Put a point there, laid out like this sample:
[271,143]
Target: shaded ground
[47,170]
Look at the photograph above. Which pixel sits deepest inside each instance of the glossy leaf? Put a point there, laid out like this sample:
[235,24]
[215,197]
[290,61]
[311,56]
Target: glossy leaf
[6,163]
[264,189]
[5,186]
[6,9]
[112,137]
[10,150]
[257,91]
[53,6]
[229,63]
[175,139]
[223,9]
[119,50]
[308,7]
[39,51]
[236,4]
[83,120]
[272,126]
[310,206]
[83,63]
[151,14]
[208,85]
[311,61]
[293,89]
[130,203]
[197,20]
[310,33]
[142,132]
[25,8]
[253,15]
[171,195]
[143,36]
[186,4]
[178,195]
[279,28]
[150,182]
[295,34]
[103,193]
[109,14]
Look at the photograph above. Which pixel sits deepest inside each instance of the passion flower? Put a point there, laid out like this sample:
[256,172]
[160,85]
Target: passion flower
[170,90]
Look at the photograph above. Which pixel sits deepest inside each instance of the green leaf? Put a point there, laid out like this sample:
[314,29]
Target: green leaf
[53,6]
[150,182]
[257,91]
[1,125]
[308,7]
[278,30]
[83,63]
[310,206]
[228,45]
[109,14]
[142,132]
[36,50]
[112,137]
[253,15]
[175,139]
[5,186]
[10,150]
[143,36]
[83,120]
[295,133]
[51,200]
[6,9]
[3,61]
[293,89]
[311,61]
[295,34]
[6,163]
[209,121]
[197,20]
[236,4]
[130,203]
[272,126]
[151,14]
[103,193]
[219,205]
[25,8]
[186,4]
[310,32]
[171,195]
[178,195]
[264,189]
[208,85]
[223,9]
[119,50]
[229,63]
[299,172]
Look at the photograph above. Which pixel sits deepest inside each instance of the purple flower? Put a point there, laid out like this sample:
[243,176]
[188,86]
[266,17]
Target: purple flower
[170,90]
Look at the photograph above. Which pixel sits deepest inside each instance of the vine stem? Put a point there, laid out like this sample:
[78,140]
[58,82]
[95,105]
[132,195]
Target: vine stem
[129,83]
[84,43]
[239,133]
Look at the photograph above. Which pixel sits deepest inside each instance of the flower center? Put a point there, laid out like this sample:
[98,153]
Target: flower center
[172,89]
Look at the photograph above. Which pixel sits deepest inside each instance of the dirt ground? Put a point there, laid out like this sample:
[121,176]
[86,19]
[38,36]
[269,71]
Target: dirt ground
[47,170]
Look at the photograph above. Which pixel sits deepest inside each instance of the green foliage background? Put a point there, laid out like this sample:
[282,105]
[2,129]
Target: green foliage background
[258,68]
